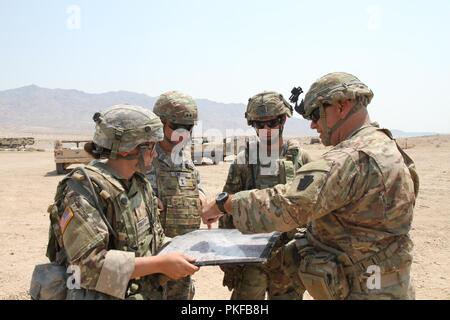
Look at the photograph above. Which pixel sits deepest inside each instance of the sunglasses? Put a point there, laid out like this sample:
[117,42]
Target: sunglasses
[176,126]
[315,115]
[270,123]
[150,146]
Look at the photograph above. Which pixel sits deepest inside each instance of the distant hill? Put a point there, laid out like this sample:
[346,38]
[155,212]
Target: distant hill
[61,110]
[70,111]
[39,109]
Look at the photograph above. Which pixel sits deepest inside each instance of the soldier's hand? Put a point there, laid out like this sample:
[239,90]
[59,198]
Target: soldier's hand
[203,201]
[173,265]
[210,212]
[176,265]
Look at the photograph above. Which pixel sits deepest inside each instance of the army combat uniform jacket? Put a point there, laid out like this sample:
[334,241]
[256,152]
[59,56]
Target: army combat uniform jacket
[246,175]
[105,255]
[357,201]
[252,281]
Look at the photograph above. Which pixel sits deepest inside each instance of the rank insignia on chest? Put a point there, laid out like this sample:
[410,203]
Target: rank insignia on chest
[65,219]
[305,182]
[182,181]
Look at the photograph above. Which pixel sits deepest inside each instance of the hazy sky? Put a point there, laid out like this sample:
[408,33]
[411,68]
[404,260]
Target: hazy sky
[229,50]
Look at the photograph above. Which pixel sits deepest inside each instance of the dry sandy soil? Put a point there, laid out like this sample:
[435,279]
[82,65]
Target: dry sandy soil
[28,181]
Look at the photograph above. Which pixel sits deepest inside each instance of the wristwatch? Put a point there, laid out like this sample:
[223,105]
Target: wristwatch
[221,198]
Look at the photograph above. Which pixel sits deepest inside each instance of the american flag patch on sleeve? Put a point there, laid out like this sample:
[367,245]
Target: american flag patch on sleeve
[65,219]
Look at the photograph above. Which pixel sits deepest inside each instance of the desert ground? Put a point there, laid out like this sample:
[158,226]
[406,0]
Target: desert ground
[28,181]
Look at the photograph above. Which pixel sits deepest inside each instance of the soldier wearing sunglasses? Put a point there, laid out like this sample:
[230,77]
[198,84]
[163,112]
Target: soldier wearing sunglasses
[175,179]
[356,201]
[266,113]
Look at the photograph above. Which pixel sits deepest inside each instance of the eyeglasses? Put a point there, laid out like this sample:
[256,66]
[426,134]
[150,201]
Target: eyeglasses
[270,123]
[176,126]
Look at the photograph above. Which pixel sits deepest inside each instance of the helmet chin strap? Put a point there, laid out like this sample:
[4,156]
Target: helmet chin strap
[141,163]
[280,131]
[166,138]
[140,166]
[328,132]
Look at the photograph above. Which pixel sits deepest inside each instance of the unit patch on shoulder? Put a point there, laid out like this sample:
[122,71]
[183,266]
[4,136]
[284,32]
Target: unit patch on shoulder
[65,219]
[305,182]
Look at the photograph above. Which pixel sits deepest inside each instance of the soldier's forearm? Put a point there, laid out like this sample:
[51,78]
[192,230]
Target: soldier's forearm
[144,266]
[202,198]
[260,211]
[228,206]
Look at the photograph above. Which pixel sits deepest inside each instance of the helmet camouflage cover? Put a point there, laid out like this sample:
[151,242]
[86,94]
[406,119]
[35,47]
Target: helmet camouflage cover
[334,87]
[176,107]
[122,128]
[267,104]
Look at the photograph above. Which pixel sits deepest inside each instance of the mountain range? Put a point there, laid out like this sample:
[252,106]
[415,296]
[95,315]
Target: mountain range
[35,109]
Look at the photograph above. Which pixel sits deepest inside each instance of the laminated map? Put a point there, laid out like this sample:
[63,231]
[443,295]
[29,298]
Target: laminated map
[223,246]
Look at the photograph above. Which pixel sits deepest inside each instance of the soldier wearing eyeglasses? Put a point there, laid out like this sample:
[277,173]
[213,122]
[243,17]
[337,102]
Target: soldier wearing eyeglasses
[104,222]
[263,164]
[357,202]
[174,177]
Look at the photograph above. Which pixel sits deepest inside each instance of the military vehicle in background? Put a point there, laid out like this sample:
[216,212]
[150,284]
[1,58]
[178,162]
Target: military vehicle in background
[68,152]
[202,148]
[217,151]
[16,143]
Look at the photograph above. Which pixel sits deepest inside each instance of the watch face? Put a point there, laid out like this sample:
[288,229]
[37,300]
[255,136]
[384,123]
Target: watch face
[221,196]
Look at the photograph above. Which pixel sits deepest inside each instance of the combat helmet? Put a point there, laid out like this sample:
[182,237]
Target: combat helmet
[265,105]
[122,128]
[331,88]
[176,107]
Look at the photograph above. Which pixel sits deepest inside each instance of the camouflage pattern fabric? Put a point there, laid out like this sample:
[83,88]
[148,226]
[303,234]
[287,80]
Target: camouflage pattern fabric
[251,282]
[268,104]
[182,289]
[357,201]
[176,107]
[334,87]
[80,237]
[177,184]
[122,128]
[328,90]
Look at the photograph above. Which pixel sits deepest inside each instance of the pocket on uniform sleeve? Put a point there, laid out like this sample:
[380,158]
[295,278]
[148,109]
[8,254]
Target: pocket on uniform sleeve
[79,237]
[309,182]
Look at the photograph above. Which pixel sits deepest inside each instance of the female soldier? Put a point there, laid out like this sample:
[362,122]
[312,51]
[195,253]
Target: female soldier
[104,222]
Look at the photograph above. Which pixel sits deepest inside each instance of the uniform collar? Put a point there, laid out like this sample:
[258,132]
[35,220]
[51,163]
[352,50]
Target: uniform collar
[357,131]
[102,165]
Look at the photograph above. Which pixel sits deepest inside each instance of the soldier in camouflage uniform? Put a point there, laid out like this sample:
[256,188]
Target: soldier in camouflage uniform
[105,217]
[175,179]
[357,202]
[267,113]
